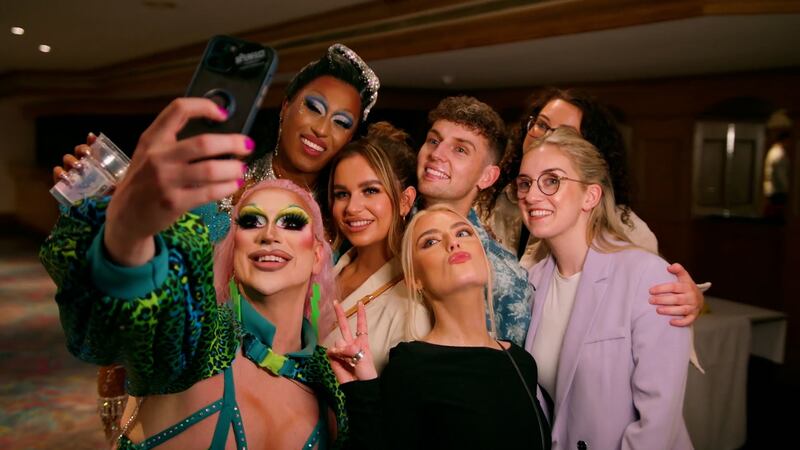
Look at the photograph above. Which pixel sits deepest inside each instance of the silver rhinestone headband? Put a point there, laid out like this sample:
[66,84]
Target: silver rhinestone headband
[373,83]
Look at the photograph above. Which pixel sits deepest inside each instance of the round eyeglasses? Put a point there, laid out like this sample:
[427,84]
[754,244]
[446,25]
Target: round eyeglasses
[548,184]
[537,127]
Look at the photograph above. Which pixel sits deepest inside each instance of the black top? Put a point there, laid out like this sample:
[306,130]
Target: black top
[435,396]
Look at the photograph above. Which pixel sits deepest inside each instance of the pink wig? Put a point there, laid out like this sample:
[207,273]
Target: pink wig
[223,254]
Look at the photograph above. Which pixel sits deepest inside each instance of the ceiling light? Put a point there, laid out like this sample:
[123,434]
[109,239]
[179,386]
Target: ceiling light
[44,48]
[19,31]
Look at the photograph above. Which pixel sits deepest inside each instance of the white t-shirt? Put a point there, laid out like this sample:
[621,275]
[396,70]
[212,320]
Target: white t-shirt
[558,302]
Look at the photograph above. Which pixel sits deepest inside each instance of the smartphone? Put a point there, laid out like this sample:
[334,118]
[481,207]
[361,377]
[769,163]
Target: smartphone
[234,74]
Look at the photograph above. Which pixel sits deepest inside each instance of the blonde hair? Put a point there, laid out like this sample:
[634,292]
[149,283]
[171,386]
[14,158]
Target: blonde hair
[605,232]
[386,150]
[407,261]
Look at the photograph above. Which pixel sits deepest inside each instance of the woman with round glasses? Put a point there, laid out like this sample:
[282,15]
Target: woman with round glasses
[574,109]
[615,368]
[555,108]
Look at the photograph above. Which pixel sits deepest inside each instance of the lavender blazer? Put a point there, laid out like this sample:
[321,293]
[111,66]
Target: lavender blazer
[622,367]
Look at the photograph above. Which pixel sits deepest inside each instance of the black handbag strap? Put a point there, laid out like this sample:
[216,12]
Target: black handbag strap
[534,402]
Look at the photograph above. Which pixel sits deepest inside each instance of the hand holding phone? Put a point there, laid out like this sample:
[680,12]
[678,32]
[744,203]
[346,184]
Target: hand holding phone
[234,74]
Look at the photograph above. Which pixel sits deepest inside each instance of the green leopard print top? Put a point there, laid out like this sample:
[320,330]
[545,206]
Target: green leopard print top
[170,338]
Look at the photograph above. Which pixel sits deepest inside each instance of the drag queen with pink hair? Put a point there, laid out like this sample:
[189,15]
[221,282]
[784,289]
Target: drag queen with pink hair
[137,287]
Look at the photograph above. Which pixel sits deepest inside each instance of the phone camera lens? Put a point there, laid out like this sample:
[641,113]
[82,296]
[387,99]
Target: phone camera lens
[223,99]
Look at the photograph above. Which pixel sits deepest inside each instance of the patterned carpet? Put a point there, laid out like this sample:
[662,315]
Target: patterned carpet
[47,397]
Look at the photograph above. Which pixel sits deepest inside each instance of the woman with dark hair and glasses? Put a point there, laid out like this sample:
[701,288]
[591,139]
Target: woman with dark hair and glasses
[577,110]
[615,368]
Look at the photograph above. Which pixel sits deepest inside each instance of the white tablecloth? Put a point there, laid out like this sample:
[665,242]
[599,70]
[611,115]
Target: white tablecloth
[768,326]
[715,406]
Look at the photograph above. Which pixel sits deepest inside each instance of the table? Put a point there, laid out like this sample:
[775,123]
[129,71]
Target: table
[715,408]
[768,327]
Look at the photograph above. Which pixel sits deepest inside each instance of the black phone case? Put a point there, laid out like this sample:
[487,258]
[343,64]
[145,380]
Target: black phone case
[235,74]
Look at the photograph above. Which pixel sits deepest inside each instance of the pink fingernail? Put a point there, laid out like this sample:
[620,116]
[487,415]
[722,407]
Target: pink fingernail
[249,144]
[240,182]
[223,111]
[244,168]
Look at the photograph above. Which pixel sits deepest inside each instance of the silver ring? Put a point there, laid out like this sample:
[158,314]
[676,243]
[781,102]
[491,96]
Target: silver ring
[355,359]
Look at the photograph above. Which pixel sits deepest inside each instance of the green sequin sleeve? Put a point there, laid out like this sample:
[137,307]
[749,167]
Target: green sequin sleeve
[168,338]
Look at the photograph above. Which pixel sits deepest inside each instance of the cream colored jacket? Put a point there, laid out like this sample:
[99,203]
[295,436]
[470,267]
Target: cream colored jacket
[387,314]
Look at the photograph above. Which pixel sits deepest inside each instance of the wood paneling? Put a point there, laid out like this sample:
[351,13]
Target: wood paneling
[660,186]
[744,259]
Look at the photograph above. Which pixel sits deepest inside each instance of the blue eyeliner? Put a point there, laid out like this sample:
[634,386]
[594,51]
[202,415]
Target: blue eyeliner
[317,104]
[345,120]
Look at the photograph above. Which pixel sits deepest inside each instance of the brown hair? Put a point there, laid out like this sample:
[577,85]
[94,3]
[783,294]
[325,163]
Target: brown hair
[386,150]
[598,126]
[484,120]
[478,117]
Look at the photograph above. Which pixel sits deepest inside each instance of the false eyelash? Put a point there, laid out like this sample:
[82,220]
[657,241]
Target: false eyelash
[250,221]
[343,121]
[316,105]
[293,221]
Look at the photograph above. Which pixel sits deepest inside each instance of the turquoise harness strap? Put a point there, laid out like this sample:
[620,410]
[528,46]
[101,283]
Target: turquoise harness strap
[229,416]
[179,427]
[320,431]
[257,340]
[256,346]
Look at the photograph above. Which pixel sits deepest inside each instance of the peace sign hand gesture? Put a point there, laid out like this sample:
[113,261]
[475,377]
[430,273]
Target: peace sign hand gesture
[350,357]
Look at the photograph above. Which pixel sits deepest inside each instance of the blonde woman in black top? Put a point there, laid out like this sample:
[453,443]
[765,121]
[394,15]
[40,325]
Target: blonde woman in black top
[457,387]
